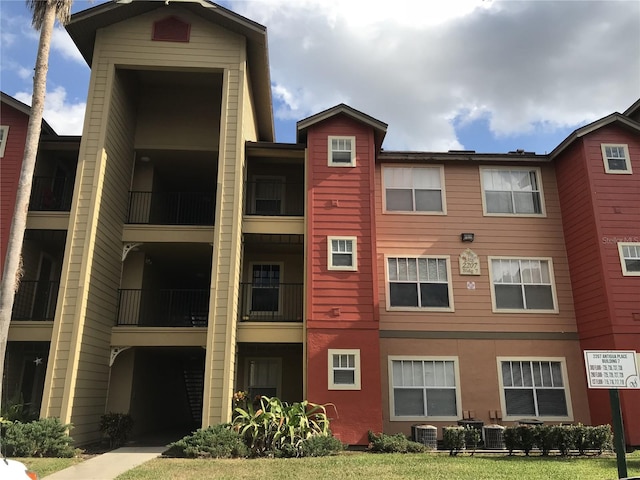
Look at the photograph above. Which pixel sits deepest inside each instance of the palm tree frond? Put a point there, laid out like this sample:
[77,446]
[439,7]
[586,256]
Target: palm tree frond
[39,7]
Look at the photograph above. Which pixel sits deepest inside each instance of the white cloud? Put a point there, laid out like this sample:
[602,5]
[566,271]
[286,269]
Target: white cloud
[522,66]
[61,42]
[64,116]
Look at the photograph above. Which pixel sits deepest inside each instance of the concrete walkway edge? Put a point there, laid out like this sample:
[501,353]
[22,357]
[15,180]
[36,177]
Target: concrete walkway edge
[109,465]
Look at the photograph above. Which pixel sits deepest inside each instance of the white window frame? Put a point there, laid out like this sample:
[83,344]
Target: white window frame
[271,179]
[250,293]
[330,161]
[565,381]
[634,247]
[552,281]
[392,408]
[354,254]
[278,380]
[356,385]
[449,282]
[538,174]
[3,138]
[605,158]
[413,188]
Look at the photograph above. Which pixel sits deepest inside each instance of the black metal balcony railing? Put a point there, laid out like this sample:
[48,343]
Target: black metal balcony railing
[271,303]
[35,300]
[171,208]
[51,194]
[274,198]
[163,308]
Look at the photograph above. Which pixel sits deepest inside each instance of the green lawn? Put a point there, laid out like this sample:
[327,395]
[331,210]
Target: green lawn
[387,467]
[47,466]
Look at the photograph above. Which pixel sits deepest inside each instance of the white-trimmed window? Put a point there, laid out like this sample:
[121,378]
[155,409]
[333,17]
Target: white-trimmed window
[422,387]
[534,388]
[512,191]
[264,376]
[419,283]
[616,158]
[342,253]
[342,151]
[4,132]
[522,284]
[413,189]
[344,369]
[629,258]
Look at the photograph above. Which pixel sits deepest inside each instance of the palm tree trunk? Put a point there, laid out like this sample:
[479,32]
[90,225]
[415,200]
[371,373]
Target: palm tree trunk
[12,270]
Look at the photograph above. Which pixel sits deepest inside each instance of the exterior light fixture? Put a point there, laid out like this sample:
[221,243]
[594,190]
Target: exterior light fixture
[467,237]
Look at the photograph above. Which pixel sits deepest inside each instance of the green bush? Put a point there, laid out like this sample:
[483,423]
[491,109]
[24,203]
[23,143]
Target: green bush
[218,441]
[453,439]
[545,438]
[526,435]
[321,446]
[116,427]
[398,443]
[472,437]
[510,437]
[600,438]
[563,437]
[46,437]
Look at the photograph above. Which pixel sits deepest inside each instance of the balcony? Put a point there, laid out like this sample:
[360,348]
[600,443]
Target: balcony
[163,307]
[51,194]
[271,303]
[35,300]
[171,208]
[274,198]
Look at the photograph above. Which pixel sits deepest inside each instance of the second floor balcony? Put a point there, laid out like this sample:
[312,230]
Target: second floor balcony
[35,300]
[163,307]
[276,302]
[171,208]
[51,194]
[273,197]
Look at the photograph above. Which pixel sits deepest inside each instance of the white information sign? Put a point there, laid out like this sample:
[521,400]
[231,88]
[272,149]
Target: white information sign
[611,369]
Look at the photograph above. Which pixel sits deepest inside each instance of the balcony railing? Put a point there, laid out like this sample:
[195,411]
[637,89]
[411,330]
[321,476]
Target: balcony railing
[171,208]
[163,308]
[35,300]
[274,198]
[51,194]
[271,303]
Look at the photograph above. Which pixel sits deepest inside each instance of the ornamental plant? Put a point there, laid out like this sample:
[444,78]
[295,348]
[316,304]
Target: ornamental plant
[275,428]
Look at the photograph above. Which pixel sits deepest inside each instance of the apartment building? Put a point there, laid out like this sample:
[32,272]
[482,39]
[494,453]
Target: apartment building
[195,256]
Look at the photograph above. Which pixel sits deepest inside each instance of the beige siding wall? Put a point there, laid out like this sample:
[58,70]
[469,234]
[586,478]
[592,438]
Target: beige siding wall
[78,365]
[524,237]
[164,122]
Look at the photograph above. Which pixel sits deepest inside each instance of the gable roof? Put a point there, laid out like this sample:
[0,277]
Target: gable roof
[582,131]
[380,128]
[633,109]
[26,109]
[83,27]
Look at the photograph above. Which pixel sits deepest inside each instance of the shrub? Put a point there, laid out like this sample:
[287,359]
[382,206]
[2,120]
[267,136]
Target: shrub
[510,436]
[218,441]
[471,437]
[321,446]
[398,443]
[545,438]
[526,437]
[116,427]
[453,439]
[581,438]
[600,438]
[46,437]
[563,437]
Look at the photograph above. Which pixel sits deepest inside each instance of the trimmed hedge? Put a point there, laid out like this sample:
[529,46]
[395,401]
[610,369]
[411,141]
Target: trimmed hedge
[562,438]
[398,443]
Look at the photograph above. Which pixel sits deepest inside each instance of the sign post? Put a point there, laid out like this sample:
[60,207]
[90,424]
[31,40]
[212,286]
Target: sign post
[613,369]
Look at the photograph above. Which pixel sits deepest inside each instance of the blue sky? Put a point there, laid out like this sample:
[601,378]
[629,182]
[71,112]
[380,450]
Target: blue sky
[490,76]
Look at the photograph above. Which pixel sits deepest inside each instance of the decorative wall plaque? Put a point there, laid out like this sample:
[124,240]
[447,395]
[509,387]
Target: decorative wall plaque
[469,263]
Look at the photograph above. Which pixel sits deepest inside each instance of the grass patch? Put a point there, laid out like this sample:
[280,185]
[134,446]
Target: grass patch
[388,466]
[47,466]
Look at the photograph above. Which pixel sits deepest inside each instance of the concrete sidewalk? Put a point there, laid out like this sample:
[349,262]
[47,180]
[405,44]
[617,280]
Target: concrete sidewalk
[108,466]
